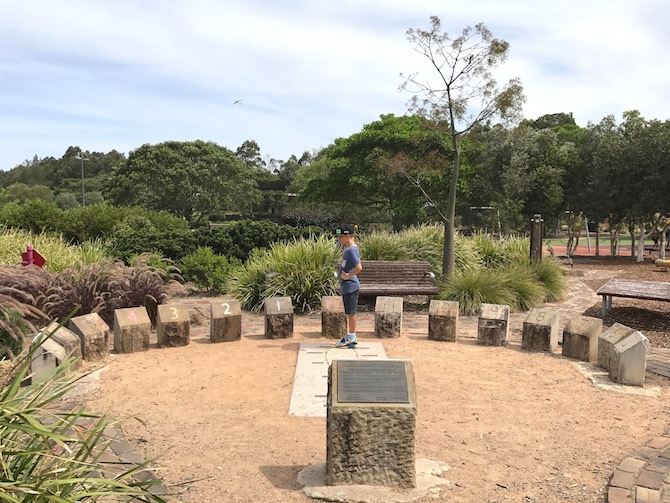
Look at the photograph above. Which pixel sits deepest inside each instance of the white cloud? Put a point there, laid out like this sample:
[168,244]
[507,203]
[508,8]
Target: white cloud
[105,75]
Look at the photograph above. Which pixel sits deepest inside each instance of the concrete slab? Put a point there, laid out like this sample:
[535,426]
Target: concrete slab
[429,483]
[310,383]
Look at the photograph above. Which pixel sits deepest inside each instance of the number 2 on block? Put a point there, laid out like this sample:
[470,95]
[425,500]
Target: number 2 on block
[226,308]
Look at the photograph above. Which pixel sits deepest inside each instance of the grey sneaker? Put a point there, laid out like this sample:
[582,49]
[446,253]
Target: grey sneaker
[347,342]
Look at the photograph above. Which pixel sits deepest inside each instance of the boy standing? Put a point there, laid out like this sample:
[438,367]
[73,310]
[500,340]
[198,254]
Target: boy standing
[349,284]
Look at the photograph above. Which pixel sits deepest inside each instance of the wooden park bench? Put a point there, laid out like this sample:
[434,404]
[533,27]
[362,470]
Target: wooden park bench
[632,289]
[381,277]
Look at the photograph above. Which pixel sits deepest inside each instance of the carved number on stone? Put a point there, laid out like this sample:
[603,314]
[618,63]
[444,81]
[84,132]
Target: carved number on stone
[175,314]
[278,308]
[494,309]
[226,306]
[540,316]
[132,316]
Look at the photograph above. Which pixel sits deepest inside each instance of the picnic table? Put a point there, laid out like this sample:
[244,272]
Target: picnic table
[633,289]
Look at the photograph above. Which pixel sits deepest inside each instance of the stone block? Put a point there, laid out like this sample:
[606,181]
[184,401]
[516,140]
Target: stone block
[278,318]
[333,319]
[373,442]
[68,340]
[173,325]
[443,320]
[606,343]
[388,317]
[225,323]
[93,335]
[131,330]
[53,351]
[493,325]
[580,338]
[629,360]
[540,330]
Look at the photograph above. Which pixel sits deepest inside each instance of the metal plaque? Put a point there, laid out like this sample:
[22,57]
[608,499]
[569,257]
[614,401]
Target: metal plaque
[372,381]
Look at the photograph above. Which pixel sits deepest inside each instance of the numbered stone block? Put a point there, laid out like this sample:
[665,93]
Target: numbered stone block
[173,325]
[52,352]
[629,360]
[493,325]
[580,338]
[333,319]
[131,330]
[225,321]
[46,357]
[606,343]
[443,320]
[388,317]
[540,330]
[93,335]
[278,318]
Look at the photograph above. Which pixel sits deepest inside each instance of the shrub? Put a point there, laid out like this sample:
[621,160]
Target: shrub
[138,234]
[12,331]
[550,274]
[491,251]
[473,287]
[34,215]
[527,291]
[304,270]
[382,246]
[207,269]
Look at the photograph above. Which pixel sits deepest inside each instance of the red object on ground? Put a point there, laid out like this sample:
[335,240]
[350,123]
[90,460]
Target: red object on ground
[32,257]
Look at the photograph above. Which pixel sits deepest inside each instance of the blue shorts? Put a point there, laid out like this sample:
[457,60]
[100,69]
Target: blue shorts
[350,302]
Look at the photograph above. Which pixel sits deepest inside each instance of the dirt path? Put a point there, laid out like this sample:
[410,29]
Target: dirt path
[513,425]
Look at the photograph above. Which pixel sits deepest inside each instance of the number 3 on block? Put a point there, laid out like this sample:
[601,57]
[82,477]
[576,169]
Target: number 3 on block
[175,314]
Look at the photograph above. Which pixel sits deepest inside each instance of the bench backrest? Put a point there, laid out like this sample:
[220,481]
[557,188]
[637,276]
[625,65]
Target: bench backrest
[395,272]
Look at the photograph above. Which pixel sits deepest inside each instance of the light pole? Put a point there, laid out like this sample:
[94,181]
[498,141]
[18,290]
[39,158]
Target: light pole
[82,158]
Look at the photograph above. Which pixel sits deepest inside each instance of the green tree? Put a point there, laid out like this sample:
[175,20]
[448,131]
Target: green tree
[463,95]
[20,193]
[375,169]
[66,200]
[188,179]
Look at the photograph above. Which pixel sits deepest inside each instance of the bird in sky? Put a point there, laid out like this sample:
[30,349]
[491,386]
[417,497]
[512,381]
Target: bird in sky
[237,102]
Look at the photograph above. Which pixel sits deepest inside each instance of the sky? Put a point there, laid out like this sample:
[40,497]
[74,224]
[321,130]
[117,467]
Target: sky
[104,75]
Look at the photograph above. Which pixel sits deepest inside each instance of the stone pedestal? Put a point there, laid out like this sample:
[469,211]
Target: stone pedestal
[371,442]
[93,335]
[580,338]
[606,343]
[225,322]
[493,325]
[388,317]
[629,360]
[278,318]
[173,325]
[443,320]
[68,340]
[131,330]
[53,352]
[540,330]
[333,319]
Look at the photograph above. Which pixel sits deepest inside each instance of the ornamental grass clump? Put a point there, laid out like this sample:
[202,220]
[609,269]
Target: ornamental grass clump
[301,269]
[59,254]
[381,246]
[57,455]
[474,287]
[550,274]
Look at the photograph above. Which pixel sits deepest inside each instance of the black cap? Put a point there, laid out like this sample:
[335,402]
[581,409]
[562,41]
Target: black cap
[344,229]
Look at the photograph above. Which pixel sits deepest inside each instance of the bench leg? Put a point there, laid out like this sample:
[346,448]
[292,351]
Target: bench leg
[609,303]
[604,306]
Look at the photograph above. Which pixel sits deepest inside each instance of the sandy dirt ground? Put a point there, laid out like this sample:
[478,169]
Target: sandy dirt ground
[512,425]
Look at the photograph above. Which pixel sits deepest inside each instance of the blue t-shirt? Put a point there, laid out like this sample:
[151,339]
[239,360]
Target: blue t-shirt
[350,259]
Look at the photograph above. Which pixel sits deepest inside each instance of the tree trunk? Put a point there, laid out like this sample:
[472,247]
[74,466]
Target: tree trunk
[661,253]
[597,240]
[448,256]
[631,229]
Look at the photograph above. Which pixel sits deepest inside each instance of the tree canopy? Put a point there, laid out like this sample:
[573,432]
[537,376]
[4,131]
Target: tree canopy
[188,179]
